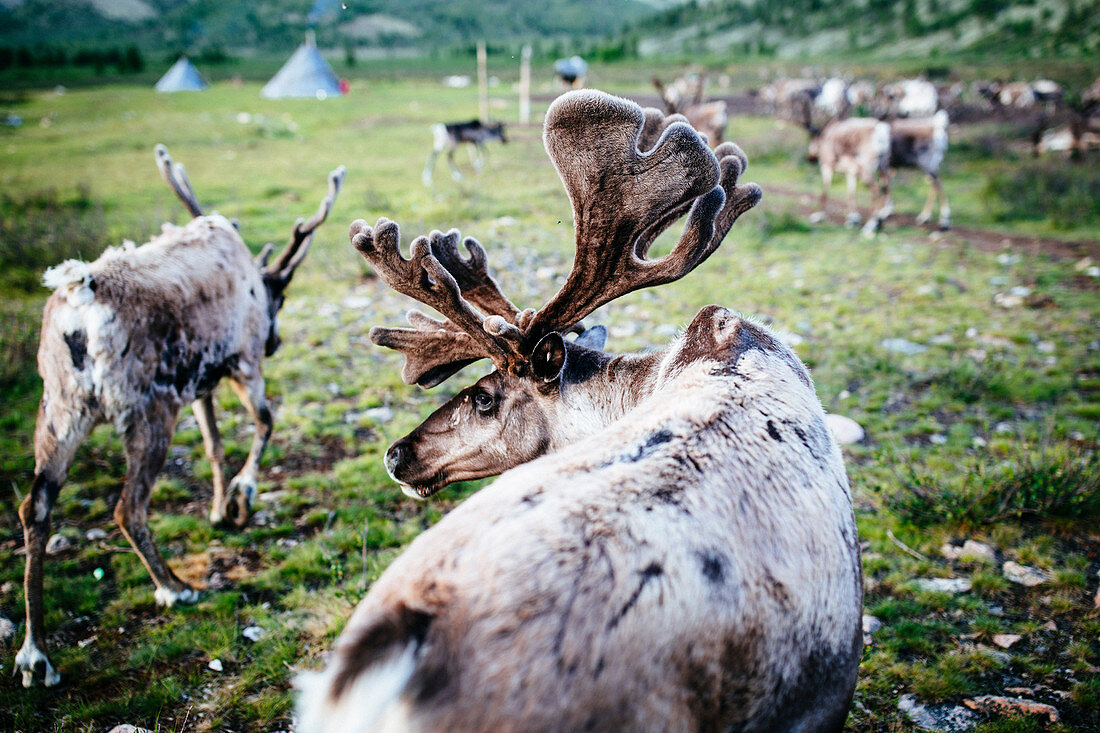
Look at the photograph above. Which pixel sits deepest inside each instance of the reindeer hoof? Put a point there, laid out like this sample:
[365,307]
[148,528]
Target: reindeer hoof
[871,228]
[853,220]
[35,667]
[167,597]
[945,224]
[923,219]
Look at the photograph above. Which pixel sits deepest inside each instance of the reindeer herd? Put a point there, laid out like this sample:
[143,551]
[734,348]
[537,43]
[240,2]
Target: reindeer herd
[671,545]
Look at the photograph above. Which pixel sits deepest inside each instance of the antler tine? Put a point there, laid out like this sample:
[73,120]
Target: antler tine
[623,198]
[424,278]
[302,236]
[433,349]
[472,275]
[176,177]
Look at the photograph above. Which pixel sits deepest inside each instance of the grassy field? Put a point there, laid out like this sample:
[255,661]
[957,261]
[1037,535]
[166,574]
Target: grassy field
[987,431]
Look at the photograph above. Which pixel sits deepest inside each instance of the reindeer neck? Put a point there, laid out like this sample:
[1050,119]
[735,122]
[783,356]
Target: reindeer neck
[609,389]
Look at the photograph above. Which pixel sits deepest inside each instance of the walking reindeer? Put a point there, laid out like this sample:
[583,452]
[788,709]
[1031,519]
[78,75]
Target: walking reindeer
[448,136]
[129,339]
[683,554]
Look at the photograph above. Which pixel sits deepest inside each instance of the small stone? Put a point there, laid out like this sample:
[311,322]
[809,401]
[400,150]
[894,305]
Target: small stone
[8,587]
[215,664]
[7,628]
[937,439]
[1001,657]
[1050,626]
[380,415]
[973,551]
[844,429]
[98,573]
[944,585]
[941,718]
[254,633]
[1083,264]
[57,544]
[942,339]
[128,729]
[1003,428]
[356,302]
[979,442]
[870,626]
[903,346]
[95,534]
[1025,575]
[1008,301]
[997,705]
[1020,291]
[1005,641]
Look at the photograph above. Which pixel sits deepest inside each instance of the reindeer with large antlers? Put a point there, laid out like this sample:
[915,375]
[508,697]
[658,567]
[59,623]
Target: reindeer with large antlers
[683,556]
[131,338]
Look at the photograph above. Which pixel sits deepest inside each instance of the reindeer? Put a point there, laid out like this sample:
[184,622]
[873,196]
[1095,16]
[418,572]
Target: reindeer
[683,554]
[129,339]
[685,96]
[449,135]
[867,149]
[908,98]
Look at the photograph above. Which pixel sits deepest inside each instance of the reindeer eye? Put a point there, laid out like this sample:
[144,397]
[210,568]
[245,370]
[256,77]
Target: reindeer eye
[483,401]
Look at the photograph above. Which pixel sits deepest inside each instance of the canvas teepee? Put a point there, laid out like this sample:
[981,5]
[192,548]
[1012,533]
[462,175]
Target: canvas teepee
[305,74]
[182,77]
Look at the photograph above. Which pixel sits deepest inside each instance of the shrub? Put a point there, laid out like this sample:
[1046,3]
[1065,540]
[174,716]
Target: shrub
[1066,194]
[1059,481]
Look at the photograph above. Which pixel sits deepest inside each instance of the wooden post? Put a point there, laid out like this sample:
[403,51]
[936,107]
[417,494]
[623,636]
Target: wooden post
[525,85]
[482,83]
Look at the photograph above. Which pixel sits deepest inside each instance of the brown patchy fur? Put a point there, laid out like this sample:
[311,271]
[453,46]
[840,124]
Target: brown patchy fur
[129,339]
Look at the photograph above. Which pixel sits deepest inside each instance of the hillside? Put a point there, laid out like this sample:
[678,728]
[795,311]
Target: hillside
[885,28]
[173,25]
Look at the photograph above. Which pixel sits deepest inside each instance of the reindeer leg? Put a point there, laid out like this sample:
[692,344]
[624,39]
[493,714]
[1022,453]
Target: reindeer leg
[945,209]
[884,204]
[854,217]
[146,442]
[822,212]
[477,156]
[56,438]
[925,214]
[251,394]
[455,172]
[429,169]
[215,453]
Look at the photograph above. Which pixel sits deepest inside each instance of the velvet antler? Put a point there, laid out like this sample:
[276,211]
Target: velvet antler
[630,173]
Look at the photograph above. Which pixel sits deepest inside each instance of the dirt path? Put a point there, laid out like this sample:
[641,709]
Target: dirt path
[985,239]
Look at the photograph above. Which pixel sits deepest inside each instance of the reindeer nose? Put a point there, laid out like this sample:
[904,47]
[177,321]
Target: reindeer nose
[399,455]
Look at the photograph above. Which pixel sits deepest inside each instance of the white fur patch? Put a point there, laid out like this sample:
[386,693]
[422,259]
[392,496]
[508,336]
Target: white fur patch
[370,703]
[73,275]
[28,658]
[167,597]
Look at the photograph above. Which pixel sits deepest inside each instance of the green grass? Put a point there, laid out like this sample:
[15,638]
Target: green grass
[1006,395]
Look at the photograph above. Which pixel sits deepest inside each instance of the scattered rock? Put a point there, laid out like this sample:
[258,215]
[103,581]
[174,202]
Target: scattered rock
[1005,641]
[941,718]
[272,496]
[844,429]
[128,729]
[215,664]
[1007,301]
[944,585]
[254,633]
[57,544]
[356,302]
[870,626]
[380,415]
[1001,657]
[903,346]
[7,629]
[1083,264]
[937,439]
[997,705]
[1050,626]
[1025,575]
[971,551]
[95,534]
[8,587]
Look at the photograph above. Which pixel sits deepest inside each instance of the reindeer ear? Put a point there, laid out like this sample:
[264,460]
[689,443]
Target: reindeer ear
[548,358]
[592,338]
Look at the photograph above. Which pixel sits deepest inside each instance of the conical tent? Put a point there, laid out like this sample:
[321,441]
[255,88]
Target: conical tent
[182,77]
[305,74]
